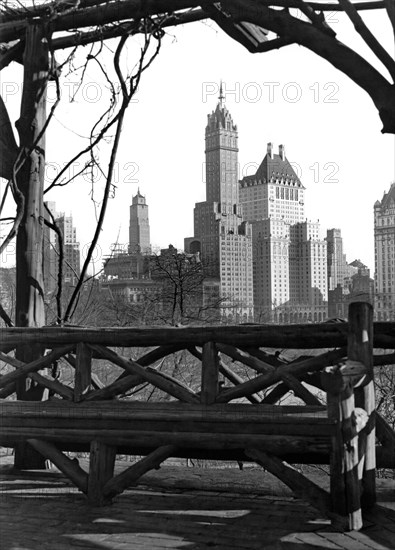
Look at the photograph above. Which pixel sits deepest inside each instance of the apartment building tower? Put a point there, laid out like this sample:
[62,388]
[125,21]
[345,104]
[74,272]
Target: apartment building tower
[289,255]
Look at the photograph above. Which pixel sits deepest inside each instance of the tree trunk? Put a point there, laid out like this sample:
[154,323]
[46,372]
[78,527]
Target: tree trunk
[29,243]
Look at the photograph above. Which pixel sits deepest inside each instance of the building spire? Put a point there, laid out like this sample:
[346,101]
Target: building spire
[221,95]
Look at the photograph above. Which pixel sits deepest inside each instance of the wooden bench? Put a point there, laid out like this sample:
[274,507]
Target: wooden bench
[206,423]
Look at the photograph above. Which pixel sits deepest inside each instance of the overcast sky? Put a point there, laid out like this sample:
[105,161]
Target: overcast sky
[329,126]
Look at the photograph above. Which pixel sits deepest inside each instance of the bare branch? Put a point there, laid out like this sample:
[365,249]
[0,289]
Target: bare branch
[390,7]
[381,91]
[369,37]
[126,98]
[5,317]
[53,225]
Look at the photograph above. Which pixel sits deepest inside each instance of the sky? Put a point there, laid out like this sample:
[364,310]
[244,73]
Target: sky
[329,126]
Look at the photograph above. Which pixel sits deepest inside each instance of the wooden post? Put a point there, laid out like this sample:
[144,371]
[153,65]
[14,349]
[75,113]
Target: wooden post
[83,368]
[344,457]
[210,368]
[101,470]
[332,383]
[360,348]
[350,457]
[29,189]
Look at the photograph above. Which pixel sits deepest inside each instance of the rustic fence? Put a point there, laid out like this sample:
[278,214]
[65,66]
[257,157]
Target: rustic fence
[227,417]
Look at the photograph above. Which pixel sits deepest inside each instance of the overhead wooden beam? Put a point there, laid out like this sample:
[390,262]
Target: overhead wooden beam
[103,14]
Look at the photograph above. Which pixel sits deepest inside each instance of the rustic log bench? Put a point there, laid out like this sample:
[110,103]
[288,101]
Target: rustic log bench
[266,434]
[205,422]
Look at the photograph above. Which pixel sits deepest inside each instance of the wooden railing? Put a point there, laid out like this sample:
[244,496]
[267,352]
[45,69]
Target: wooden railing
[200,418]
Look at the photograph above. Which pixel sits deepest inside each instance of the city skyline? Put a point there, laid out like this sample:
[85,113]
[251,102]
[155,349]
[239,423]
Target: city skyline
[329,125]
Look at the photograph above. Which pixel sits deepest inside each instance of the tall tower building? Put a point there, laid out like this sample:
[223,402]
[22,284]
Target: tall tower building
[289,255]
[71,250]
[139,230]
[220,234]
[384,256]
[337,264]
[50,253]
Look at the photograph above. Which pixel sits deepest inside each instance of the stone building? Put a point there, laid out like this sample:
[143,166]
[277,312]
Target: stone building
[384,256]
[139,229]
[289,255]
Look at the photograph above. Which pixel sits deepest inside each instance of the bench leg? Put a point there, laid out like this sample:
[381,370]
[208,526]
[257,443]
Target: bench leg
[101,470]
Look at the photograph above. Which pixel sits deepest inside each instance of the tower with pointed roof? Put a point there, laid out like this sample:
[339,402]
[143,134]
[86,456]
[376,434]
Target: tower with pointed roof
[384,256]
[139,229]
[220,234]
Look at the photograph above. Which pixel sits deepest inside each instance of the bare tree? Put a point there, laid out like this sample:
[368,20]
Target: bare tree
[181,296]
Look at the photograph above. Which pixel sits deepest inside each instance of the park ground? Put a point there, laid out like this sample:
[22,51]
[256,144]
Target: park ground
[180,507]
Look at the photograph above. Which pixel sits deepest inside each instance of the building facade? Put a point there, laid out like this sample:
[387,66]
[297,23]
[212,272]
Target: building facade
[337,264]
[71,267]
[222,237]
[126,275]
[384,256]
[289,254]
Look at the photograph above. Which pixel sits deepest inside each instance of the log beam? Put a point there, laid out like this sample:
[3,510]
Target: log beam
[40,363]
[265,380]
[298,483]
[69,467]
[131,475]
[210,369]
[275,336]
[166,383]
[83,371]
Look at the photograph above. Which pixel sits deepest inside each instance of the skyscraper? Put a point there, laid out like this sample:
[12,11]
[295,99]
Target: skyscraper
[139,230]
[127,274]
[220,234]
[71,250]
[289,255]
[337,264]
[384,256]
